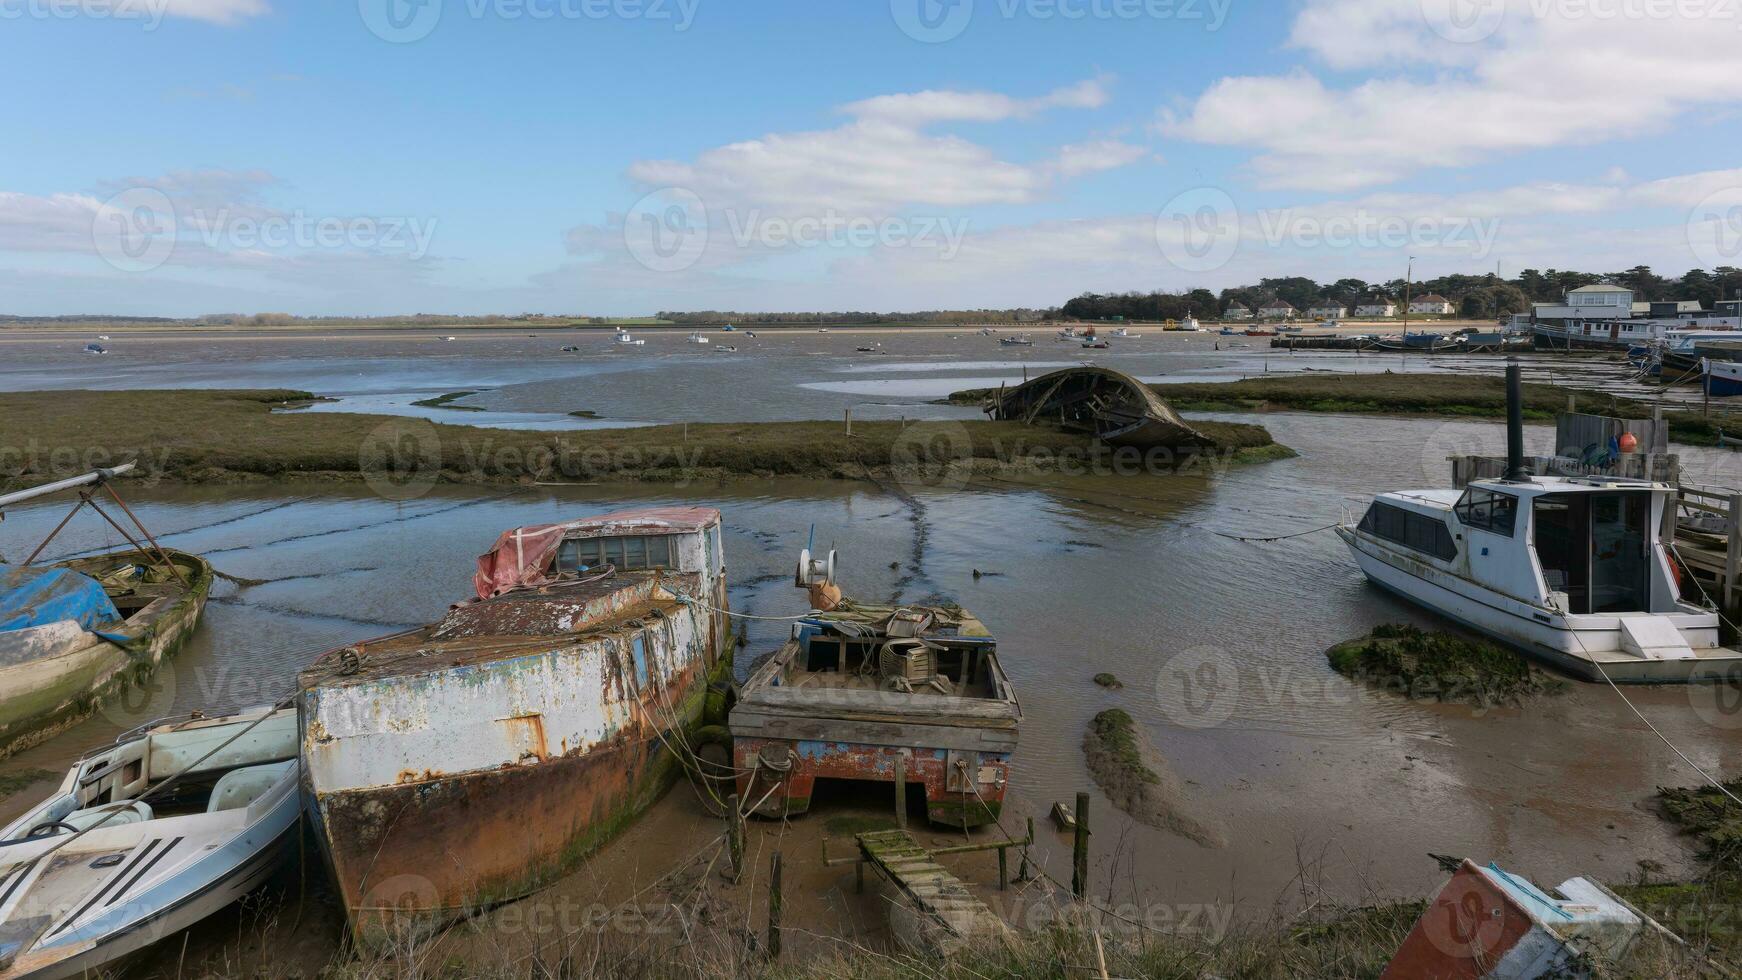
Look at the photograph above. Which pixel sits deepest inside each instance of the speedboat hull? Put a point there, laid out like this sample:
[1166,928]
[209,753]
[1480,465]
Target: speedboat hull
[73,904]
[1587,647]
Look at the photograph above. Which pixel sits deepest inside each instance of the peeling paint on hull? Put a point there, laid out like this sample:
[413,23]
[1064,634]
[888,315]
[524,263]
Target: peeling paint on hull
[927,771]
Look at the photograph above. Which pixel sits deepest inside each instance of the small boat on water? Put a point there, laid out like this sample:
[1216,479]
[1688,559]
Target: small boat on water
[1574,571]
[1121,333]
[570,349]
[909,694]
[726,349]
[698,338]
[1022,341]
[1260,332]
[1723,378]
[1096,345]
[77,633]
[96,349]
[869,349]
[144,838]
[518,734]
[1231,332]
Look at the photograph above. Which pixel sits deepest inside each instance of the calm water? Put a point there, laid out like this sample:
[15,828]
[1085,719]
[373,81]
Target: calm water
[1219,643]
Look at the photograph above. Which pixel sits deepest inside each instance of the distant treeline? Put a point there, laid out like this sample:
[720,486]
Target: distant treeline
[1471,296]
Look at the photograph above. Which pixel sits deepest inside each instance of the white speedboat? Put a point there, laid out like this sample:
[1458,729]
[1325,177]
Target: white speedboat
[1571,570]
[145,838]
[697,338]
[628,341]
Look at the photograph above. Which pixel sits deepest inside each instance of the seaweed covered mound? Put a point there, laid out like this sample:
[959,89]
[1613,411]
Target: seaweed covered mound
[1713,818]
[1132,773]
[1440,667]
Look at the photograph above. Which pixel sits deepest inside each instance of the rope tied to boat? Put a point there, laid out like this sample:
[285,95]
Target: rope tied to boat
[1280,537]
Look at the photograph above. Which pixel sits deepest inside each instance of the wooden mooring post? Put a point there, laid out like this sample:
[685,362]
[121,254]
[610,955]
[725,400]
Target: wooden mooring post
[1080,850]
[774,903]
[901,790]
[735,837]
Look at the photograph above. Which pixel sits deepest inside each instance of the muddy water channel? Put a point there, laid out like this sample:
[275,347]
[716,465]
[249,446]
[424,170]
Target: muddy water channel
[1320,788]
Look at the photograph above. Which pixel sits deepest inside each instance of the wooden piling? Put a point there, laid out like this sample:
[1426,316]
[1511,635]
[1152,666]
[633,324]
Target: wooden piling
[1080,850]
[901,790]
[735,837]
[849,422]
[1022,870]
[774,908]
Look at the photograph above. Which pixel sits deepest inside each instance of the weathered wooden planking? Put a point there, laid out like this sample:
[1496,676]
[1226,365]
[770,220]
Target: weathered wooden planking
[928,886]
[751,721]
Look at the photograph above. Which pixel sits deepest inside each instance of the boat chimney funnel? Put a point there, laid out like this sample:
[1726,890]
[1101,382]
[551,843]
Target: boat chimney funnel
[1515,471]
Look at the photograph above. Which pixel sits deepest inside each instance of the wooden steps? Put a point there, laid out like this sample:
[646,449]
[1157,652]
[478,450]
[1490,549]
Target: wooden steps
[929,887]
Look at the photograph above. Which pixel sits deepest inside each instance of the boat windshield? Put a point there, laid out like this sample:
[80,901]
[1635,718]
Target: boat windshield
[1594,548]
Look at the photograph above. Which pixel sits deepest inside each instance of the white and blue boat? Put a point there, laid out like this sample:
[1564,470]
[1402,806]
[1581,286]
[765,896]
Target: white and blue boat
[146,837]
[1723,378]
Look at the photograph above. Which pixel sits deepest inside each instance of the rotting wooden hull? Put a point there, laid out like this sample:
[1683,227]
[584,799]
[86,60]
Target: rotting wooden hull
[47,696]
[548,756]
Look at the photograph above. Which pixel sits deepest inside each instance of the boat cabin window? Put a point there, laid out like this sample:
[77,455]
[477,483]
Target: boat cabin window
[1418,532]
[1490,511]
[1593,548]
[630,553]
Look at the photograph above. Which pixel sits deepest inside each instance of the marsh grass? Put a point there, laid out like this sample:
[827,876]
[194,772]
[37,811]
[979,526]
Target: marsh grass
[1440,666]
[219,436]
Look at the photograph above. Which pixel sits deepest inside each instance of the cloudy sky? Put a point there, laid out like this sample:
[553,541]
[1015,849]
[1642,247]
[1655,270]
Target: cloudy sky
[180,157]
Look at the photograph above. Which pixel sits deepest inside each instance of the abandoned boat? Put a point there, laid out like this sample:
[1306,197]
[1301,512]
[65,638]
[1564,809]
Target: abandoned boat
[472,761]
[144,838]
[74,634]
[1572,570]
[913,695]
[1110,405]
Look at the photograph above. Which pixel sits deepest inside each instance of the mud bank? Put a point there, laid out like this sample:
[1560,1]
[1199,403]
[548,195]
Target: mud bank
[1440,666]
[238,436]
[1132,773]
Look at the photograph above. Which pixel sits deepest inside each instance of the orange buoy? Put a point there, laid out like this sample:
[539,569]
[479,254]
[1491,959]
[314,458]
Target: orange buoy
[1629,442]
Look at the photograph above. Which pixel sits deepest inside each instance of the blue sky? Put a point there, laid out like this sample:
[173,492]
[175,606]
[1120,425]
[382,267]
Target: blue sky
[180,157]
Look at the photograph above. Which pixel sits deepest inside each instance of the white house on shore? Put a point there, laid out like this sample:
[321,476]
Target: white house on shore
[1328,312]
[1276,310]
[1376,309]
[1431,303]
[1237,312]
[1603,301]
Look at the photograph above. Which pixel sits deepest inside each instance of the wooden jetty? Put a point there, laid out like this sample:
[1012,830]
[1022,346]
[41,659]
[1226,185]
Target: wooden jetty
[954,915]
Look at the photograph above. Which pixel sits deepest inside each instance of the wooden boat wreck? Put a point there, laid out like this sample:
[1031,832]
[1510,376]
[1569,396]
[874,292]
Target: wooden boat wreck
[77,633]
[474,760]
[1110,405]
[144,838]
[913,695]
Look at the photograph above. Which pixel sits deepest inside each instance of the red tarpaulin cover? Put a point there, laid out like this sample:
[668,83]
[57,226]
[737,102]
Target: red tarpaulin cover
[522,557]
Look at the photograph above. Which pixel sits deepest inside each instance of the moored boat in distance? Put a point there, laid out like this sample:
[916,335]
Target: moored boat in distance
[474,760]
[1021,341]
[623,337]
[1571,570]
[1723,378]
[913,695]
[145,838]
[76,633]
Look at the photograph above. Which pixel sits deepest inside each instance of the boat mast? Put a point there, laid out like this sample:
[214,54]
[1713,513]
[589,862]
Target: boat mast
[1515,470]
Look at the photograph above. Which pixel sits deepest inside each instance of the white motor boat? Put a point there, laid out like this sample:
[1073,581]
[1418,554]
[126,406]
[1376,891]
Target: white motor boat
[624,338]
[1572,570]
[145,838]
[697,338]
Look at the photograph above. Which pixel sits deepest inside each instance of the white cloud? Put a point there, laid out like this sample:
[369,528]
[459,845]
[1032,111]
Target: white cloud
[1078,159]
[216,11]
[1548,75]
[884,160]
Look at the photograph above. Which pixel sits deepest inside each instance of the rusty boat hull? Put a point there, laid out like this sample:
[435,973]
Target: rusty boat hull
[476,760]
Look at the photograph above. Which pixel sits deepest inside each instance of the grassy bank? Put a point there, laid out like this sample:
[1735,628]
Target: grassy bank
[1427,395]
[217,436]
[1440,667]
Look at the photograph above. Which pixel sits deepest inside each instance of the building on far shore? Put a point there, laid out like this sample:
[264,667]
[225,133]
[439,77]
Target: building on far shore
[1376,309]
[1431,303]
[1237,311]
[1328,312]
[1276,309]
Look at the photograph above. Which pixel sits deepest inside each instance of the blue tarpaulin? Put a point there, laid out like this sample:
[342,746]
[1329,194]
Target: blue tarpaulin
[39,596]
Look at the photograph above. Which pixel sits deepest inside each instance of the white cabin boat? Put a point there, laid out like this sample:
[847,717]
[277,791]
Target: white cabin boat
[697,338]
[145,838]
[623,337]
